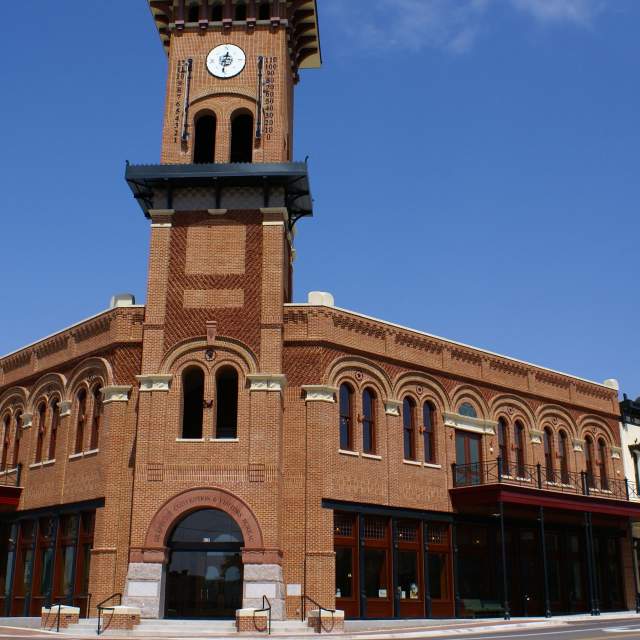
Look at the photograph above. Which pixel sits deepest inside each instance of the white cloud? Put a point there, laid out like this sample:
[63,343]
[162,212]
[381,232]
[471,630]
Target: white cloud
[450,25]
[579,12]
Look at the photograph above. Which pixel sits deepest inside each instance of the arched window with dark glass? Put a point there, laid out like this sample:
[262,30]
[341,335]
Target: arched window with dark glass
[193,11]
[217,11]
[503,446]
[42,418]
[6,440]
[240,11]
[468,410]
[81,407]
[242,137]
[563,455]
[264,10]
[602,464]
[518,444]
[409,428]
[588,461]
[227,403]
[54,410]
[16,440]
[547,437]
[204,147]
[346,417]
[96,418]
[192,403]
[368,421]
[428,432]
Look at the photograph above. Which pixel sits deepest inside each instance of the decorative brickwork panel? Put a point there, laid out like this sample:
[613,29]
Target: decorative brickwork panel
[213,298]
[216,250]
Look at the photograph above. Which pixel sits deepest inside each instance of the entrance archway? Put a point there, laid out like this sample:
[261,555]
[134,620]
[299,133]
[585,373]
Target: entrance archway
[205,571]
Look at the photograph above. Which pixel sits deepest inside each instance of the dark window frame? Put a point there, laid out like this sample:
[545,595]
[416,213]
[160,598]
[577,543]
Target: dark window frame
[346,438]
[369,443]
[409,429]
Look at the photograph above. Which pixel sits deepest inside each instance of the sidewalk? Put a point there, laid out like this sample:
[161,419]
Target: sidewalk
[354,629]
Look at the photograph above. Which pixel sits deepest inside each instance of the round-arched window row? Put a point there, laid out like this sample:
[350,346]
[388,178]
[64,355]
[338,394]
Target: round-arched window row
[427,430]
[194,403]
[88,412]
[242,136]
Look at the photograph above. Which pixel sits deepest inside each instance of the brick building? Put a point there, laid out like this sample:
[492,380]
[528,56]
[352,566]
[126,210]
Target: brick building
[222,443]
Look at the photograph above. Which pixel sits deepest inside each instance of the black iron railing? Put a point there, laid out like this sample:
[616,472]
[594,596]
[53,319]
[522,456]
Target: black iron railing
[266,606]
[303,613]
[537,476]
[100,608]
[58,606]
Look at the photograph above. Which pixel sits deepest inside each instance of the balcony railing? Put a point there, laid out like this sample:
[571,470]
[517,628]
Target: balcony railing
[537,476]
[11,477]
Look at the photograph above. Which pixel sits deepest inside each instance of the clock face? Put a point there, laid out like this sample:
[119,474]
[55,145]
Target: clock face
[226,61]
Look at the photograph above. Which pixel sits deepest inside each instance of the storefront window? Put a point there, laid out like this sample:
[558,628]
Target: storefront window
[408,575]
[375,563]
[344,573]
[46,560]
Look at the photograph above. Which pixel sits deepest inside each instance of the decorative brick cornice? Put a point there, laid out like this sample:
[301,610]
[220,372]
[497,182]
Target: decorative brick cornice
[157,382]
[267,381]
[319,393]
[116,393]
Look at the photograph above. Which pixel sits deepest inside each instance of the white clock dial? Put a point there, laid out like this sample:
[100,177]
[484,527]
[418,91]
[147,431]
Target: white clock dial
[226,61]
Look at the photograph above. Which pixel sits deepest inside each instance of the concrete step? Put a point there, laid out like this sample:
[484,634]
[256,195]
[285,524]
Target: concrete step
[186,628]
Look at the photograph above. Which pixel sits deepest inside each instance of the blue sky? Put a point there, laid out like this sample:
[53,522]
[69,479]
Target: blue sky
[474,166]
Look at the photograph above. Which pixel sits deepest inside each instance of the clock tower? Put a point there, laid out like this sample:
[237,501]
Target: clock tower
[222,205]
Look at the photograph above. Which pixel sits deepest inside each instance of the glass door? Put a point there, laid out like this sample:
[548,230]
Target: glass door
[468,459]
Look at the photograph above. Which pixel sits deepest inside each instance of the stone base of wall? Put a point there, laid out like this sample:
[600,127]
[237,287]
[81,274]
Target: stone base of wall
[121,618]
[248,621]
[145,588]
[326,621]
[49,617]
[264,580]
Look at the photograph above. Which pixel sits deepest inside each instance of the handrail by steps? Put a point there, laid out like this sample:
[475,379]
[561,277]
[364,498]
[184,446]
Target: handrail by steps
[100,607]
[303,611]
[265,600]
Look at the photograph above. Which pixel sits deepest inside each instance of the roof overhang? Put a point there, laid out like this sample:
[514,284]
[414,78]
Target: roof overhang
[301,18]
[491,494]
[293,177]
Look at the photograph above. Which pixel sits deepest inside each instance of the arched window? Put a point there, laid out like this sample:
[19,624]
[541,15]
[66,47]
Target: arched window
[96,418]
[346,417]
[518,445]
[563,454]
[428,433]
[193,12]
[242,137]
[54,409]
[16,440]
[6,427]
[368,421]
[547,437]
[227,403]
[588,461]
[217,11]
[81,420]
[192,403]
[264,10]
[602,464]
[503,446]
[468,410]
[409,428]
[42,417]
[204,148]
[240,12]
